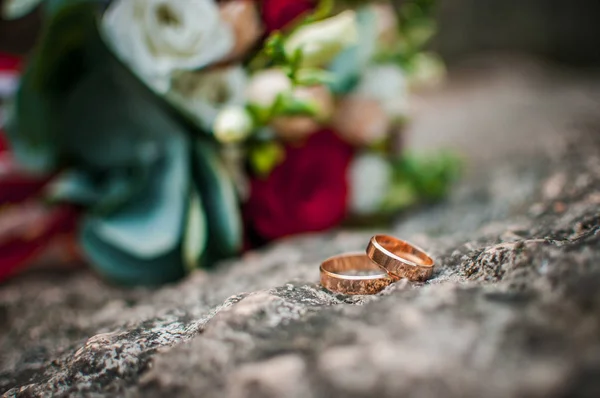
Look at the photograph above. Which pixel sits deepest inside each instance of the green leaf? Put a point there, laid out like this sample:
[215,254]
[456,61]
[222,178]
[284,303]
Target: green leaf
[123,267]
[110,121]
[30,122]
[430,176]
[313,77]
[219,200]
[151,223]
[323,10]
[260,114]
[294,63]
[288,105]
[59,59]
[114,128]
[264,156]
[195,237]
[141,243]
[54,68]
[74,186]
[274,48]
[402,194]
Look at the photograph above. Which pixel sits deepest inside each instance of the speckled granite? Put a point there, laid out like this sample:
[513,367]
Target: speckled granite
[512,310]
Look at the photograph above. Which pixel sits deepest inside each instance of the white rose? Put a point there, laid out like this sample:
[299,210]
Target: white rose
[15,9]
[387,85]
[370,177]
[232,124]
[321,41]
[157,37]
[202,95]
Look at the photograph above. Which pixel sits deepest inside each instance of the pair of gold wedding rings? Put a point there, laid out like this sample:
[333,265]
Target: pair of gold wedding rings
[387,260]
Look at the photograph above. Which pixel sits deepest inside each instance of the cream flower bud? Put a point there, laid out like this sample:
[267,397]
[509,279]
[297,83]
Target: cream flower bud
[369,177]
[232,124]
[244,20]
[321,41]
[295,128]
[264,87]
[360,121]
[320,97]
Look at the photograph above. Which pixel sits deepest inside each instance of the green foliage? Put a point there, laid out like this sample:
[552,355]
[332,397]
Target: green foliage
[122,267]
[154,196]
[264,156]
[275,49]
[416,26]
[323,10]
[260,115]
[196,231]
[421,179]
[287,104]
[219,199]
[313,77]
[60,60]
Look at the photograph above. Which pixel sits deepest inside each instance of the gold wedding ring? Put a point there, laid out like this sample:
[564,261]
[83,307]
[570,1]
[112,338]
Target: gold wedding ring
[399,258]
[353,273]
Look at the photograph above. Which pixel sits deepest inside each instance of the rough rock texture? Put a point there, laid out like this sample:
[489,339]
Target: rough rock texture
[513,308]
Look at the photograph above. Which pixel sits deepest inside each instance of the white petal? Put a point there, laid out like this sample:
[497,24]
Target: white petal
[191,37]
[370,177]
[15,9]
[387,85]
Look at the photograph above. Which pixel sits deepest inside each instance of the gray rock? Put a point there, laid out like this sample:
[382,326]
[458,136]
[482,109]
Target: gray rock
[512,310]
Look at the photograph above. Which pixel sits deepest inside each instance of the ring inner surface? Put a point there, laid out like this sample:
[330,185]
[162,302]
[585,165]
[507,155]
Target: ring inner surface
[404,250]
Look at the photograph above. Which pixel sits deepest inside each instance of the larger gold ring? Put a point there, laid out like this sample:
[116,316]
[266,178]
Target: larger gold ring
[353,273]
[399,258]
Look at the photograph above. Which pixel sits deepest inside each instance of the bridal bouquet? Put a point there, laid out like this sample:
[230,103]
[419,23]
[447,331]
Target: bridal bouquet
[165,135]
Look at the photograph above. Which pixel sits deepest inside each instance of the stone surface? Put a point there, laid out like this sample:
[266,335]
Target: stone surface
[512,310]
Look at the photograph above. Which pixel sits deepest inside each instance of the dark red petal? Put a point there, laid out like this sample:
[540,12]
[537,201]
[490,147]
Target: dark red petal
[16,185]
[306,193]
[277,14]
[9,62]
[14,189]
[16,252]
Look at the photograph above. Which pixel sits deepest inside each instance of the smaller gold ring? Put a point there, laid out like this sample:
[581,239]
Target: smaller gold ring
[399,258]
[345,273]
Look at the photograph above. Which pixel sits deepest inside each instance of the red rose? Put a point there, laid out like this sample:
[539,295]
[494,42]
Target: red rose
[27,226]
[16,185]
[9,74]
[27,229]
[277,14]
[306,193]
